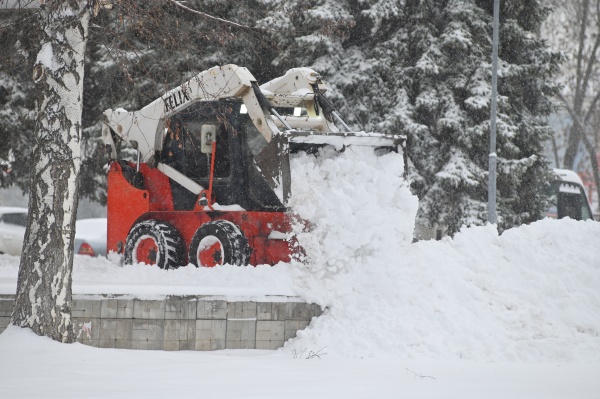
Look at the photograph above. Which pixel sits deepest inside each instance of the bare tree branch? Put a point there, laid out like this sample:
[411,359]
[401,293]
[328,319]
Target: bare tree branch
[580,125]
[591,108]
[581,47]
[208,16]
[590,66]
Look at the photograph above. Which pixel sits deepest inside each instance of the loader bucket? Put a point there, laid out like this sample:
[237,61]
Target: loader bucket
[273,163]
[342,139]
[339,140]
[273,160]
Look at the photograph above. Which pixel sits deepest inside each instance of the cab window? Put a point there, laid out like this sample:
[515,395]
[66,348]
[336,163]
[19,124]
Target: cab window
[182,149]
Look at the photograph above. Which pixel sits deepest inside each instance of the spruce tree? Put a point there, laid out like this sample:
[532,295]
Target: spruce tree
[423,68]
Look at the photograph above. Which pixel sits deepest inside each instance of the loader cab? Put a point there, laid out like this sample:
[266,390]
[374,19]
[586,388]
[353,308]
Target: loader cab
[187,140]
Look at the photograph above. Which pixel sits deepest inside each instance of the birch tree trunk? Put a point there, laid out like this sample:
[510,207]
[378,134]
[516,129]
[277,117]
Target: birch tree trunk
[43,301]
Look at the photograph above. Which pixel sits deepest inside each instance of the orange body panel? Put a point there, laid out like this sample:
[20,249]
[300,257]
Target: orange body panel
[128,205]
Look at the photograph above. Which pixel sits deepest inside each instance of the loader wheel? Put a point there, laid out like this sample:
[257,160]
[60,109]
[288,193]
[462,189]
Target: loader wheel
[217,243]
[154,243]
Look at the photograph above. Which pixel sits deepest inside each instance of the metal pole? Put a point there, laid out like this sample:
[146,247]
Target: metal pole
[491,208]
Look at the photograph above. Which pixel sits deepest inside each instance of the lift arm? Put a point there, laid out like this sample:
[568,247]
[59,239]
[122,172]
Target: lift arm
[144,129]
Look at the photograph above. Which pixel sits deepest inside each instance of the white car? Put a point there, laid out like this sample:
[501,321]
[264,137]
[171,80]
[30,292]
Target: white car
[90,234]
[12,229]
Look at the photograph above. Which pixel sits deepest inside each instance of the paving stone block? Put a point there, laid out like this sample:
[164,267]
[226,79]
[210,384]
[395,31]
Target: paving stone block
[299,311]
[241,334]
[124,329]
[264,311]
[189,345]
[148,330]
[109,309]
[149,310]
[108,329]
[4,322]
[293,326]
[180,309]
[124,308]
[123,344]
[171,345]
[86,308]
[6,307]
[241,310]
[107,343]
[270,334]
[318,310]
[210,335]
[180,330]
[279,311]
[181,344]
[147,345]
[155,345]
[211,310]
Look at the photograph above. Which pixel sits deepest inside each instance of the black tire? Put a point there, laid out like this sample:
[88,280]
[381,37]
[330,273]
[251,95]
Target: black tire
[154,242]
[222,242]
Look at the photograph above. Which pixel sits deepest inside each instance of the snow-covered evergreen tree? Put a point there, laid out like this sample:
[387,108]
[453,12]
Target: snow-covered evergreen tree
[423,68]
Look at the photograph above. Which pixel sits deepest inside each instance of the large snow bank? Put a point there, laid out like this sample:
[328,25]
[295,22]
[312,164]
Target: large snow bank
[532,294]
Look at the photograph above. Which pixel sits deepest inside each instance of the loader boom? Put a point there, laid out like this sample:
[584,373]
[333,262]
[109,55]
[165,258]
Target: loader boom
[145,127]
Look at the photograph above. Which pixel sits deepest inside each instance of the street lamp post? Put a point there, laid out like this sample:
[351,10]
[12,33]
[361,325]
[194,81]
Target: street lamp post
[491,208]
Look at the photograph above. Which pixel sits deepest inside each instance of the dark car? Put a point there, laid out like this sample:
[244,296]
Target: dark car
[568,197]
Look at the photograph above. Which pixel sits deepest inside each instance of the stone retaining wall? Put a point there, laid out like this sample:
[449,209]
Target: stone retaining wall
[183,323]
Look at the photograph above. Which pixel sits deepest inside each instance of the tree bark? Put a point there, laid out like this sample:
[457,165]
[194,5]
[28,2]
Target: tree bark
[584,74]
[43,301]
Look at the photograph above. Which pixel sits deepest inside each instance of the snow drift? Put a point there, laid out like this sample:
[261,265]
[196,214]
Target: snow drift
[531,294]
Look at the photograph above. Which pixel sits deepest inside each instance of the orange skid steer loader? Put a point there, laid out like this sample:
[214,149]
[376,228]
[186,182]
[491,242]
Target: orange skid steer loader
[212,178]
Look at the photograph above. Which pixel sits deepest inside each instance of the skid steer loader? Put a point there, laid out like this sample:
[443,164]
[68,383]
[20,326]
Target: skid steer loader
[211,180]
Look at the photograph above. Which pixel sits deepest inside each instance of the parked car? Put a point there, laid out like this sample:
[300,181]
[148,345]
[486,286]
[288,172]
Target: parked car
[12,229]
[568,197]
[90,237]
[90,234]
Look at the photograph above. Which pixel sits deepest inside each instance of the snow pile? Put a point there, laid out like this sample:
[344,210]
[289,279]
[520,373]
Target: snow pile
[358,204]
[532,294]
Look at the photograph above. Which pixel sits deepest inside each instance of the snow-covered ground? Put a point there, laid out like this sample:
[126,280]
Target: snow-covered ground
[477,316]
